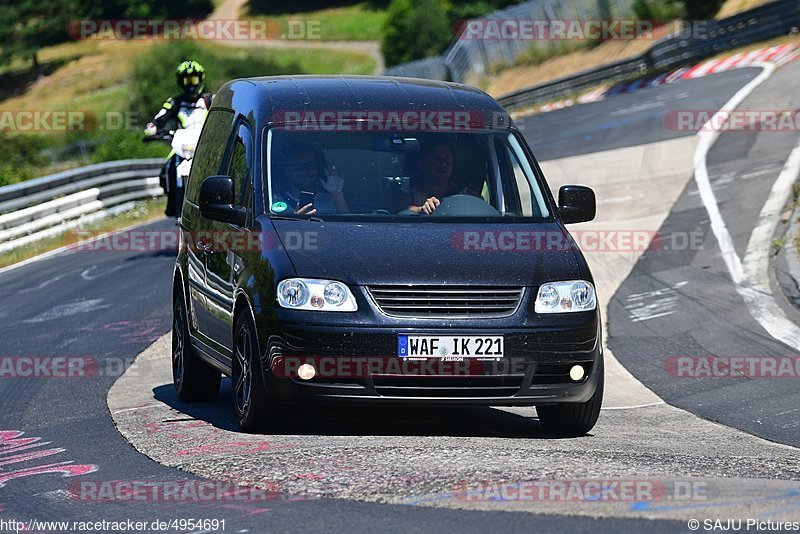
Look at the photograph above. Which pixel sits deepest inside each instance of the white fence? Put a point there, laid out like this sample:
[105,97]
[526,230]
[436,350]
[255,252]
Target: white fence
[48,206]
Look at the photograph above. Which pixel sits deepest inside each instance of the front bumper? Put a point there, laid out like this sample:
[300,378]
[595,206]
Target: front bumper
[360,365]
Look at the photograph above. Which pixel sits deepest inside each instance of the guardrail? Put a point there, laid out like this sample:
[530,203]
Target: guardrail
[571,84]
[48,206]
[758,24]
[466,59]
[433,68]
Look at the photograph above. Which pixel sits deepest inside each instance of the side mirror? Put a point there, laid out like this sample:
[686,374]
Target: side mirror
[576,203]
[216,201]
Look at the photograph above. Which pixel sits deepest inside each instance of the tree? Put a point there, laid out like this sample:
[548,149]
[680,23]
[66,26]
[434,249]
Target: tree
[147,9]
[660,10]
[703,9]
[415,29]
[28,25]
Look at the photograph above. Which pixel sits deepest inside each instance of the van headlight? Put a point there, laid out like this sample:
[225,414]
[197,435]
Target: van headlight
[312,294]
[563,297]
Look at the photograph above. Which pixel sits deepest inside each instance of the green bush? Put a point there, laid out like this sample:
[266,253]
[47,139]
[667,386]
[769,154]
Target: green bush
[415,29]
[676,9]
[286,7]
[141,9]
[11,174]
[659,9]
[127,144]
[472,10]
[20,155]
[703,9]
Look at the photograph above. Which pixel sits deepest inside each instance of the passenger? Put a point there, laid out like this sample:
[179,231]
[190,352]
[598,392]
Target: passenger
[306,170]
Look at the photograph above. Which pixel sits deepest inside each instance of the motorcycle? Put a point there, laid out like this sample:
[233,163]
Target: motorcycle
[178,164]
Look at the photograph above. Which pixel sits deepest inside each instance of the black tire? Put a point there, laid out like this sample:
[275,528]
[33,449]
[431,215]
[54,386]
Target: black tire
[254,409]
[194,380]
[573,419]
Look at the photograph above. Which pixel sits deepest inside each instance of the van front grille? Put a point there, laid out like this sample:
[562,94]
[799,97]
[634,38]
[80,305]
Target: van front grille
[451,302]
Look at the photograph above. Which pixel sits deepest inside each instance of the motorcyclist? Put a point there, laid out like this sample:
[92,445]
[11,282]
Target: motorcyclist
[190,76]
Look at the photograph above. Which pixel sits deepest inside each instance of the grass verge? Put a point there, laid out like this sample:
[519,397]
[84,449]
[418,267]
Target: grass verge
[545,68]
[359,22]
[100,78]
[732,7]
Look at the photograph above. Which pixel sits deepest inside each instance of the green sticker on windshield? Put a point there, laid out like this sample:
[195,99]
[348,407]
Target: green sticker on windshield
[279,207]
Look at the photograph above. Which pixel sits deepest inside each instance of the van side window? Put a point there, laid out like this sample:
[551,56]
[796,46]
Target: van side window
[240,164]
[210,150]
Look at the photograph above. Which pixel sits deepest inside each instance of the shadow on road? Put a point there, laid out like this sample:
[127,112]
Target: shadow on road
[370,421]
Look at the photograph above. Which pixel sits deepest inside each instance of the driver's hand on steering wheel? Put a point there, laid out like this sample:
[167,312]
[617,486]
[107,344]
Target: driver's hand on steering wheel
[429,206]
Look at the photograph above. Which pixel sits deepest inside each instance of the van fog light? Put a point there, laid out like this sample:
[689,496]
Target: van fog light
[577,373]
[306,371]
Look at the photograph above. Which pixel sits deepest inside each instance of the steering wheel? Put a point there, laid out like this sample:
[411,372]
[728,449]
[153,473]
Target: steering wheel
[464,205]
[381,212]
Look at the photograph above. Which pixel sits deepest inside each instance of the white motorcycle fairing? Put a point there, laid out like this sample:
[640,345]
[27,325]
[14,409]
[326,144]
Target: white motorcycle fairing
[184,140]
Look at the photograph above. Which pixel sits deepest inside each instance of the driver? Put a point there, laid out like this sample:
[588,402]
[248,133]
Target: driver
[435,171]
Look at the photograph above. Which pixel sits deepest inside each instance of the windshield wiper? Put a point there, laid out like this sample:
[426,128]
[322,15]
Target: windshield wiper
[289,218]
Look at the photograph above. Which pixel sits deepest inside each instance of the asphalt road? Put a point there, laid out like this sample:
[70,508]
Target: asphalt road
[628,119]
[110,306]
[682,303]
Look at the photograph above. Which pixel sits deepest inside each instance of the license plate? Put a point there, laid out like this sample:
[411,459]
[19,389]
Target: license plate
[449,346]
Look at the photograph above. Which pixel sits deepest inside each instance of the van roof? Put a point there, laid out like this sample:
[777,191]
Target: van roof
[268,98]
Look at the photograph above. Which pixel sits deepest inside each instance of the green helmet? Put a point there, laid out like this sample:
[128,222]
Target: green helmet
[191,76]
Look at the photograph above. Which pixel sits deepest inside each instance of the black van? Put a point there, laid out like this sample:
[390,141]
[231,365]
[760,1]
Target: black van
[380,240]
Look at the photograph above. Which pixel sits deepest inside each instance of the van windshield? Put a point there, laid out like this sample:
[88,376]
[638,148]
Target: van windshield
[402,176]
